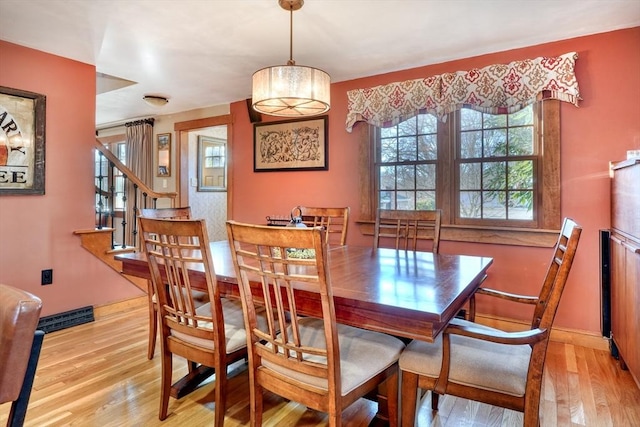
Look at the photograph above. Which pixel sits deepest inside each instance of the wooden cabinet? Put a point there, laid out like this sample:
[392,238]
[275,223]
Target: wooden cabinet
[625,263]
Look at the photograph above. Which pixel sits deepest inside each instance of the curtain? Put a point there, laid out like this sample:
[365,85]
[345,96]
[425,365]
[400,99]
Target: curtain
[495,89]
[139,143]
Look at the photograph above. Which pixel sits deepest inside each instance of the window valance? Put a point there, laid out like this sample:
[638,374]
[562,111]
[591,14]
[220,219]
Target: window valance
[495,89]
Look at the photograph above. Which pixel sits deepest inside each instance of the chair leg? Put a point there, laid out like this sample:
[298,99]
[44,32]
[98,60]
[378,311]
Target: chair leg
[18,410]
[165,383]
[255,405]
[153,324]
[434,400]
[409,398]
[220,394]
[392,398]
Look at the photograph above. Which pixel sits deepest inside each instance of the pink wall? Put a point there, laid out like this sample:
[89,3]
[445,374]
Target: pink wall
[36,232]
[606,124]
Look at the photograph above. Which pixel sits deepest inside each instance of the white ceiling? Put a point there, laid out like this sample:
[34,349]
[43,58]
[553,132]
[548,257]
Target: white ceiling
[202,53]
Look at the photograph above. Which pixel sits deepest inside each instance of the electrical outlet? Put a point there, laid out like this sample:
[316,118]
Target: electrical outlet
[47,277]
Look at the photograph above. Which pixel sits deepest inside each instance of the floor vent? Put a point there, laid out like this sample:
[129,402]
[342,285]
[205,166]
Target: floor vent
[65,320]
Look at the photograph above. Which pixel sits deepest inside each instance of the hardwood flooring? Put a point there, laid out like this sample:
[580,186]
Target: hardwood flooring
[97,374]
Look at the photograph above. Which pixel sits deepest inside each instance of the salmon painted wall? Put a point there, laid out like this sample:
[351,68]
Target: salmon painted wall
[606,124]
[36,232]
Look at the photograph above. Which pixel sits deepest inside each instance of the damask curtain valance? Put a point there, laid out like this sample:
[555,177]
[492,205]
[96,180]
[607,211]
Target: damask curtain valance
[495,89]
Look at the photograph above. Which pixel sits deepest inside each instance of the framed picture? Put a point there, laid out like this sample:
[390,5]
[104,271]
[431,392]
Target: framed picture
[22,136]
[291,145]
[163,155]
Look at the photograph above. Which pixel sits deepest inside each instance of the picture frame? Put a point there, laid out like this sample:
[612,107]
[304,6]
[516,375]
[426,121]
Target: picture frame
[291,145]
[212,164]
[163,155]
[22,142]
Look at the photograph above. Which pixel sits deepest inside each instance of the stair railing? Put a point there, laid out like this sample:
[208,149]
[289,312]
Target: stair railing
[123,235]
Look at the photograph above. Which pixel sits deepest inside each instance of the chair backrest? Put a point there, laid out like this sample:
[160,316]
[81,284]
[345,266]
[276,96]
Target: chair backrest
[557,273]
[334,220]
[267,255]
[19,316]
[173,246]
[167,213]
[407,227]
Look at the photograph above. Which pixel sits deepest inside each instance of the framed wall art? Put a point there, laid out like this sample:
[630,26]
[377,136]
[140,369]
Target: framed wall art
[22,138]
[291,145]
[163,155]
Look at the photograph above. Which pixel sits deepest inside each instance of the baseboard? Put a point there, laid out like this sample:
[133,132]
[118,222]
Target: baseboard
[568,336]
[119,306]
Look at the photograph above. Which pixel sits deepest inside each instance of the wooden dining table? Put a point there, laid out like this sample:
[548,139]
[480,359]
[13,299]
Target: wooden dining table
[409,294]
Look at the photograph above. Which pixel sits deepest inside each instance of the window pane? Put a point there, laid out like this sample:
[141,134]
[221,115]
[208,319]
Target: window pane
[406,177]
[494,176]
[470,119]
[521,141]
[388,152]
[387,178]
[427,123]
[390,132]
[407,149]
[494,204]
[470,145]
[495,142]
[408,127]
[427,147]
[426,177]
[426,200]
[521,175]
[470,176]
[406,200]
[470,204]
[490,121]
[522,117]
[520,205]
[387,200]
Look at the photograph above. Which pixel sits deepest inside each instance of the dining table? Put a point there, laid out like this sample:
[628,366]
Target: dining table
[408,294]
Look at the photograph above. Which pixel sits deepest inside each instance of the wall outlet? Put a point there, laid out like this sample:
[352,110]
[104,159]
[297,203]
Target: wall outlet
[47,277]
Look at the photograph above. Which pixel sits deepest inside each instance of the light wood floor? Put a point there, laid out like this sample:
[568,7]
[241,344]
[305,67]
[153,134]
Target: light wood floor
[98,375]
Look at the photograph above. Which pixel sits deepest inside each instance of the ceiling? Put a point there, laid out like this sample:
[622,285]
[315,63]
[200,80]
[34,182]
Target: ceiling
[201,53]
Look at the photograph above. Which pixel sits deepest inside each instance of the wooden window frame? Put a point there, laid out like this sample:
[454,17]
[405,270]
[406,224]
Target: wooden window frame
[547,217]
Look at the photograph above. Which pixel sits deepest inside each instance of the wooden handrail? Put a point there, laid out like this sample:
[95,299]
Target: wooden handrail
[132,176]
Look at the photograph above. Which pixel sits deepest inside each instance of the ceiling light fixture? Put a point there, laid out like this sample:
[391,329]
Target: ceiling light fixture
[155,101]
[291,90]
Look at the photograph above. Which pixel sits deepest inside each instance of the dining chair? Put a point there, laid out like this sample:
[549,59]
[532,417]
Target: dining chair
[212,334]
[200,297]
[314,361]
[334,220]
[20,344]
[408,227]
[488,365]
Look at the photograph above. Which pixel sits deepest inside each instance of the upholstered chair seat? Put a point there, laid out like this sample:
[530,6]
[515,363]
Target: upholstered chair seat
[474,363]
[362,354]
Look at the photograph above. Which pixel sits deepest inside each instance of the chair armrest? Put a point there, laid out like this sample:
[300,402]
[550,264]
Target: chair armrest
[531,336]
[507,296]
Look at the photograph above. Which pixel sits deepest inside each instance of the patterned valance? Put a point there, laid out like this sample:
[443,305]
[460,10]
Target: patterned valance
[495,89]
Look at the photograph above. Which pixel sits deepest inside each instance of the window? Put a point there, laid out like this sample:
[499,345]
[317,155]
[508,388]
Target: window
[485,171]
[104,175]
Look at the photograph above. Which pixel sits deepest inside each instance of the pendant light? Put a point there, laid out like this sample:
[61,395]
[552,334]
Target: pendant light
[291,90]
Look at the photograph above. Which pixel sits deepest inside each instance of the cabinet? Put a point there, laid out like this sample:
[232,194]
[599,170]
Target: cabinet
[625,263]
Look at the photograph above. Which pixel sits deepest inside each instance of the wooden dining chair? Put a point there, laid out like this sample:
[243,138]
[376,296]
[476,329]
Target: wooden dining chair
[200,297]
[314,361]
[212,334]
[334,220]
[407,227]
[488,365]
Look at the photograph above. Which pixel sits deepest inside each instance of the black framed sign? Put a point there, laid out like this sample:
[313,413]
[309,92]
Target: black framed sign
[22,137]
[291,145]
